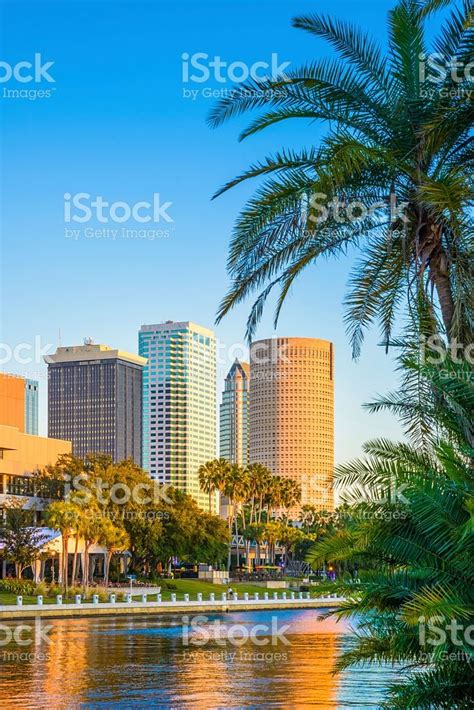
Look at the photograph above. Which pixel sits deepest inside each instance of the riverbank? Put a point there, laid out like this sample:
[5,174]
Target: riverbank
[10,612]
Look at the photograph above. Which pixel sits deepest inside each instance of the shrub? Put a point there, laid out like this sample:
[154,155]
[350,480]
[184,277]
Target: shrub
[18,586]
[171,586]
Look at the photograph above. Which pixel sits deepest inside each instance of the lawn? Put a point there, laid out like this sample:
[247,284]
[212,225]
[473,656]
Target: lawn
[183,586]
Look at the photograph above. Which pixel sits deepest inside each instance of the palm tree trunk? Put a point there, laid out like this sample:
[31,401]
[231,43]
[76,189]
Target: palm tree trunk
[444,293]
[107,568]
[74,561]
[433,257]
[65,562]
[236,527]
[85,571]
[229,551]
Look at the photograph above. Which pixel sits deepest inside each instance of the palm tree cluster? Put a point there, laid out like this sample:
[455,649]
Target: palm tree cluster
[390,179]
[254,497]
[89,526]
[414,532]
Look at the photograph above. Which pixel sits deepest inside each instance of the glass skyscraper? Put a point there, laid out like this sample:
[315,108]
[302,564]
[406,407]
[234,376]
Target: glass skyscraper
[179,403]
[234,415]
[31,407]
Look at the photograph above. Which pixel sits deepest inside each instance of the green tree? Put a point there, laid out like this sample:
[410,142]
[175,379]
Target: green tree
[63,516]
[415,529]
[21,540]
[260,478]
[208,475]
[115,540]
[391,138]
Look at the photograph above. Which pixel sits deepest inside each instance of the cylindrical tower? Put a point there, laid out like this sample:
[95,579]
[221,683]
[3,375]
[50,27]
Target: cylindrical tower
[292,413]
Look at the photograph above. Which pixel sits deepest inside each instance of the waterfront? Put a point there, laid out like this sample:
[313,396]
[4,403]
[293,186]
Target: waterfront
[136,662]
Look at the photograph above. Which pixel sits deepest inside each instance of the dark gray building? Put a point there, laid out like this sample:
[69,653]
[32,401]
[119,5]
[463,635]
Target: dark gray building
[95,400]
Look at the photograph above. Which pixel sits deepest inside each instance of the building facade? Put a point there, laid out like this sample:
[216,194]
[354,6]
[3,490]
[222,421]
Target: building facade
[12,401]
[21,455]
[19,403]
[234,415]
[179,403]
[95,400]
[31,407]
[292,413]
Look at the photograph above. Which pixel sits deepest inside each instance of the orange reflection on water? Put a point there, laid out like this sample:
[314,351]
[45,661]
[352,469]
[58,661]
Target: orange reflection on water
[136,662]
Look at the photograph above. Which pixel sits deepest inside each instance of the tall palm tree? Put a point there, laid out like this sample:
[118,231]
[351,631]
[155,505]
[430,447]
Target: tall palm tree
[393,136]
[291,494]
[63,516]
[260,478]
[207,475]
[116,540]
[414,532]
[236,489]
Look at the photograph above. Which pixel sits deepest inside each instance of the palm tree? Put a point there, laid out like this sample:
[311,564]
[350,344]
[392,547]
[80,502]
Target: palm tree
[272,535]
[392,138]
[255,532]
[116,540]
[414,532]
[288,538]
[63,516]
[92,527]
[207,475]
[235,487]
[291,494]
[260,479]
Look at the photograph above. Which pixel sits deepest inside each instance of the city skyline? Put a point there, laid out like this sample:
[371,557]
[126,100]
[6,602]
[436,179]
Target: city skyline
[124,283]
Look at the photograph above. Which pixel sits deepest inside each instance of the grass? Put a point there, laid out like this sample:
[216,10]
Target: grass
[183,586]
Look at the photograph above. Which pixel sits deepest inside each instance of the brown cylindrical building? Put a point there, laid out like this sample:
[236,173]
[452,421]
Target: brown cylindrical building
[292,413]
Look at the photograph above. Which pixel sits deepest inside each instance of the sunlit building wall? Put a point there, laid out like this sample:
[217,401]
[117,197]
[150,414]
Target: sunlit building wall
[234,415]
[292,413]
[179,404]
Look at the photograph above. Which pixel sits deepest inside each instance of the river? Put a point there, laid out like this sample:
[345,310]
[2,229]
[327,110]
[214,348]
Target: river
[264,659]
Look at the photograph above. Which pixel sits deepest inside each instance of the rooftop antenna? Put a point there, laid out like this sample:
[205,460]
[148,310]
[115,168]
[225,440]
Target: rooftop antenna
[88,341]
[59,337]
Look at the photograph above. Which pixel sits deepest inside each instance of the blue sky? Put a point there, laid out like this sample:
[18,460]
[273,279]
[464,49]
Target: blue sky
[117,125]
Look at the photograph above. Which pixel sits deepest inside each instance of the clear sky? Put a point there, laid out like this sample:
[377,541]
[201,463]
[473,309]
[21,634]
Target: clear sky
[118,125]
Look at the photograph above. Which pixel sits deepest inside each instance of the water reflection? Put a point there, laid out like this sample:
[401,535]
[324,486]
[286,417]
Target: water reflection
[138,662]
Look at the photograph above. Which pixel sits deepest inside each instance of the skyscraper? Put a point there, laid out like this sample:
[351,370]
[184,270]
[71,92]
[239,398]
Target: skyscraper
[234,415]
[95,400]
[179,403]
[31,407]
[292,413]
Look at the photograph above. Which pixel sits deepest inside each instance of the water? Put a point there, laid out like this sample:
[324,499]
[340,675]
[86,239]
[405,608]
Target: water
[150,662]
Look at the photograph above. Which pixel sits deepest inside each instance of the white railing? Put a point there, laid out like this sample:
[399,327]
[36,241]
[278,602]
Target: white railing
[157,599]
